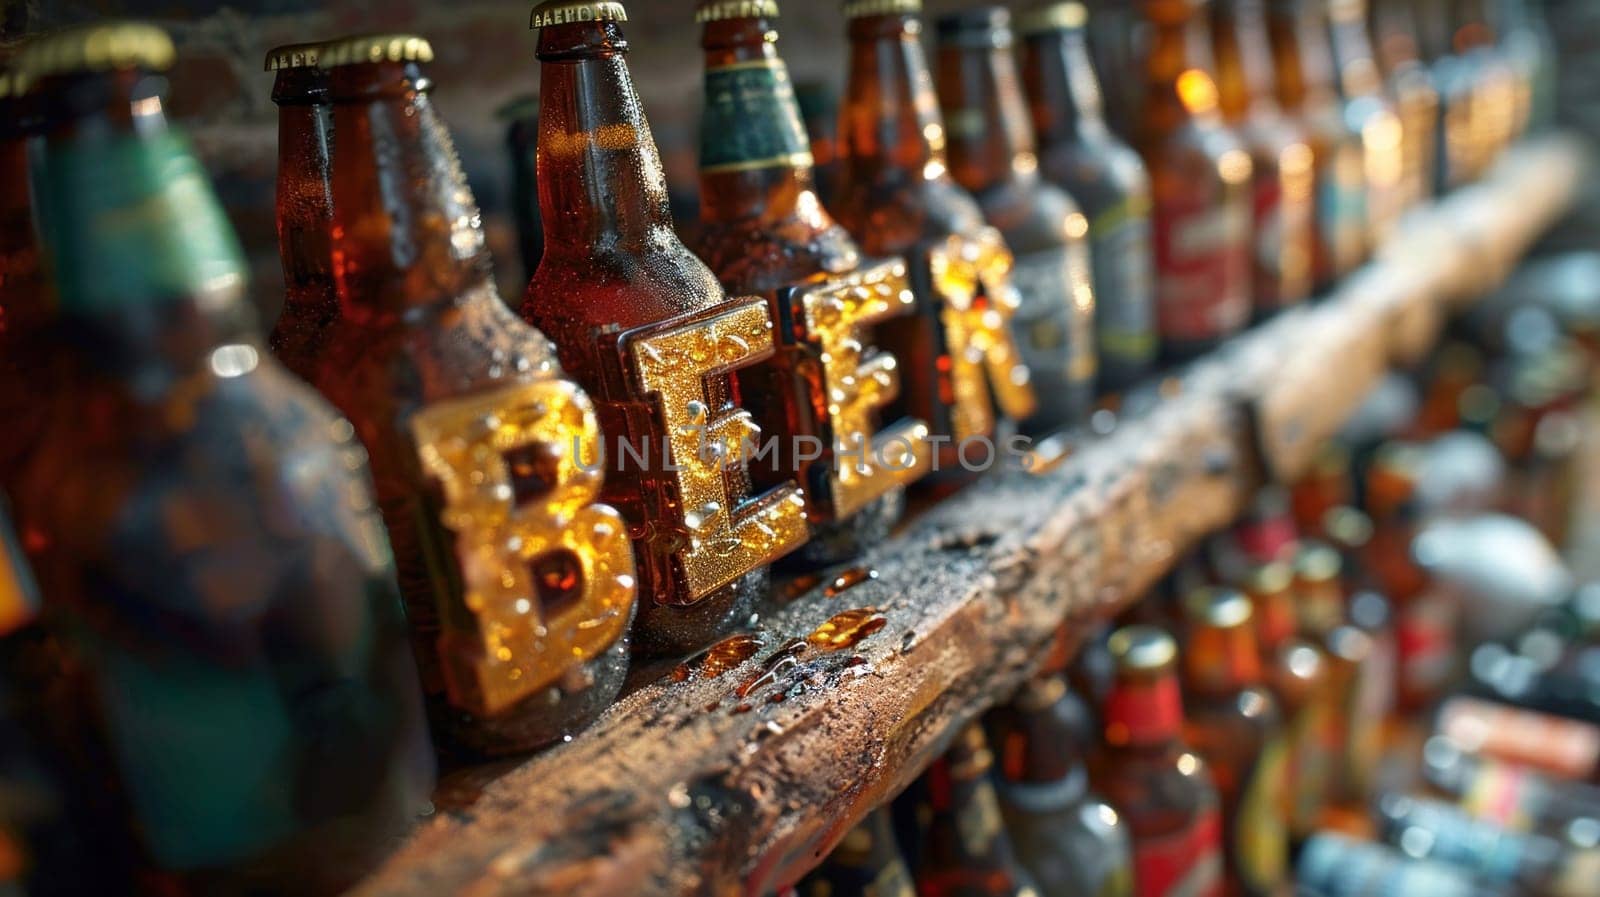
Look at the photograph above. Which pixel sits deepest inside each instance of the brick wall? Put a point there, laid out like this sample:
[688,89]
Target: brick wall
[484,58]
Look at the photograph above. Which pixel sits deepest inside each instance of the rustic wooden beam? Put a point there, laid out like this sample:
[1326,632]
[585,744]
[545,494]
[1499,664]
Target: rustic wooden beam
[732,784]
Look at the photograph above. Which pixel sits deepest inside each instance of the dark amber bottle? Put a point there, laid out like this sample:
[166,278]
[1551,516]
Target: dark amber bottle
[519,587]
[1233,722]
[1370,113]
[25,293]
[993,155]
[228,683]
[1283,199]
[643,325]
[1305,80]
[1079,153]
[965,849]
[520,116]
[1148,772]
[956,354]
[304,207]
[819,110]
[1396,44]
[764,232]
[866,863]
[1200,178]
[1070,841]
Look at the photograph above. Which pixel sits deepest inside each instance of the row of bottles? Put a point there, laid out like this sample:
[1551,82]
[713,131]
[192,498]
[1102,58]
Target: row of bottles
[243,643]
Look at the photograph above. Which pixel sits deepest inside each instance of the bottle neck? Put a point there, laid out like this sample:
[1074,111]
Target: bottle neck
[755,158]
[1352,49]
[305,188]
[1062,87]
[1299,45]
[890,122]
[1244,60]
[1144,710]
[1038,736]
[601,186]
[986,119]
[1178,67]
[1221,660]
[1395,33]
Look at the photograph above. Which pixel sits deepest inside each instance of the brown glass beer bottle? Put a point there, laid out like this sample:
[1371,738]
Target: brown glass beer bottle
[1200,176]
[1079,153]
[643,325]
[519,587]
[1395,43]
[1305,80]
[956,353]
[521,119]
[1283,199]
[228,682]
[764,232]
[819,110]
[1070,841]
[1147,771]
[992,154]
[965,849]
[1233,722]
[304,206]
[25,292]
[1370,113]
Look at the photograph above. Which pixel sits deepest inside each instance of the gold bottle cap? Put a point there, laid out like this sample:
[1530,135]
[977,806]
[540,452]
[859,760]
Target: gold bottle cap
[296,56]
[1055,17]
[1142,649]
[720,10]
[572,12]
[1269,578]
[93,48]
[1217,607]
[1317,562]
[375,48]
[860,9]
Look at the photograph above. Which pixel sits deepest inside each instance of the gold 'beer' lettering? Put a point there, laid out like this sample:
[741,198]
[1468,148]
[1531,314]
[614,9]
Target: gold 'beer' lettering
[547,574]
[973,278]
[836,313]
[724,542]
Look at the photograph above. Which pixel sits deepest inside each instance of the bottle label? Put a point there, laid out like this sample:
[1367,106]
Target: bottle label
[751,118]
[1183,864]
[1341,211]
[1260,836]
[1055,316]
[1425,636]
[1202,263]
[1119,238]
[1563,747]
[518,467]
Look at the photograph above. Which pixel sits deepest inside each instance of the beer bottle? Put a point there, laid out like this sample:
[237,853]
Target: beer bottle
[965,850]
[866,863]
[1113,33]
[1326,486]
[1234,724]
[955,351]
[1079,153]
[819,111]
[1296,671]
[1394,35]
[26,356]
[764,232]
[230,681]
[993,155]
[1305,80]
[1069,840]
[1369,112]
[1148,772]
[1200,177]
[644,326]
[304,207]
[1282,181]
[519,587]
[521,118]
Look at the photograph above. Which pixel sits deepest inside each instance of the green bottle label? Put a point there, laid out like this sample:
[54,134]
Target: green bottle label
[751,119]
[131,219]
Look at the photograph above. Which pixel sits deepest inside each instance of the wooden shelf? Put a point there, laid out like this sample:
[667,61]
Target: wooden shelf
[688,788]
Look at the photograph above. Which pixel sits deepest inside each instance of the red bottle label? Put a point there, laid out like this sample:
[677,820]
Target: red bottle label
[1202,262]
[1425,636]
[1182,864]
